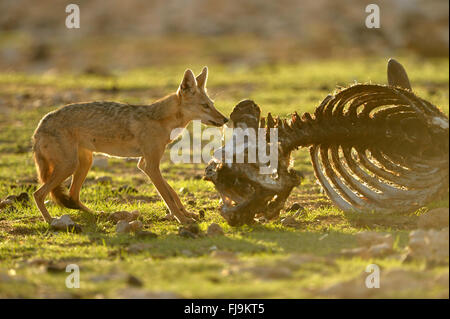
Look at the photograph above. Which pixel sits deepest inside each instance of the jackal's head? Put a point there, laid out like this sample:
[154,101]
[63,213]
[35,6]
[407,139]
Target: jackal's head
[195,102]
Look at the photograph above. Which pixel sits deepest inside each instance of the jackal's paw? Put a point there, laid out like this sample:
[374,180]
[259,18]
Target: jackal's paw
[65,223]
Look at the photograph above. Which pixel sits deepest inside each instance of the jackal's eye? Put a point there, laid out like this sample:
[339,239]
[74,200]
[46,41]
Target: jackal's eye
[205,106]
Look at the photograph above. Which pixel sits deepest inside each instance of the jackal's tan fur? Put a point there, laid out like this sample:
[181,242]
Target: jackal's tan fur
[65,140]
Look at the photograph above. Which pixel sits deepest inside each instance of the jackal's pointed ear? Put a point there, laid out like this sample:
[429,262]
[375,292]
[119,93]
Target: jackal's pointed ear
[397,75]
[202,78]
[188,82]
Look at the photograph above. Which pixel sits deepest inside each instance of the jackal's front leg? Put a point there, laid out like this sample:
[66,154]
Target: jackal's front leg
[151,169]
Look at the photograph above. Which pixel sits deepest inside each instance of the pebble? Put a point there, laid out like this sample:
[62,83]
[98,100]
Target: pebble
[289,221]
[65,223]
[124,215]
[124,226]
[214,230]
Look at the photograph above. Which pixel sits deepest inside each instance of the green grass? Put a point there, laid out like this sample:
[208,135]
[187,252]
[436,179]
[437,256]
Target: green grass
[174,266]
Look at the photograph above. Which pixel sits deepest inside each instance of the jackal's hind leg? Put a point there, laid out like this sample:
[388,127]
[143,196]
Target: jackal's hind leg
[59,175]
[84,164]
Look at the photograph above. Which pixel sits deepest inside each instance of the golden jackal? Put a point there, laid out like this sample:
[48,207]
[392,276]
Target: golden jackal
[65,140]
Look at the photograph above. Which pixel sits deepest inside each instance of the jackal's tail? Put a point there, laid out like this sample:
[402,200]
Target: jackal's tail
[44,172]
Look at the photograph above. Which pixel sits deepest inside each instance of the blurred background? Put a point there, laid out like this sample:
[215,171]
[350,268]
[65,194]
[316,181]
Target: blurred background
[117,35]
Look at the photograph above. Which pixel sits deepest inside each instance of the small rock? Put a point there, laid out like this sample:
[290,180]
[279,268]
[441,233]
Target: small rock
[435,218]
[183,232]
[124,215]
[289,221]
[214,230]
[134,281]
[123,227]
[21,198]
[5,203]
[193,228]
[136,225]
[65,223]
[432,245]
[380,250]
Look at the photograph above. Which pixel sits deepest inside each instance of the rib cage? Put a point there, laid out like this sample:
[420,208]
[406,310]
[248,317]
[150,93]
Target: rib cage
[373,148]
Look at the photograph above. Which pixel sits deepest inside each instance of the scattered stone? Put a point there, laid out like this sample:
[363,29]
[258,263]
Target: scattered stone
[214,230]
[65,223]
[435,218]
[21,198]
[136,225]
[380,250]
[124,215]
[103,180]
[432,245]
[134,281]
[290,221]
[5,203]
[193,228]
[123,227]
[183,232]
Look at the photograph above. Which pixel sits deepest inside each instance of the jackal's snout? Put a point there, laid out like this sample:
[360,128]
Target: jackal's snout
[220,122]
